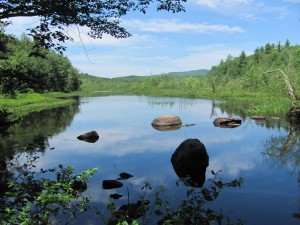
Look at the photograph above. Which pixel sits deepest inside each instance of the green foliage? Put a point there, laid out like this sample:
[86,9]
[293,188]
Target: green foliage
[24,68]
[25,103]
[248,71]
[32,198]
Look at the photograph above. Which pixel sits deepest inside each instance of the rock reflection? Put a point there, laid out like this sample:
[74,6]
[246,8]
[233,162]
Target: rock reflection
[166,128]
[190,161]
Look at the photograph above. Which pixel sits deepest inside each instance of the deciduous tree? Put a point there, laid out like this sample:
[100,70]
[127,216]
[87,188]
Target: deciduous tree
[100,17]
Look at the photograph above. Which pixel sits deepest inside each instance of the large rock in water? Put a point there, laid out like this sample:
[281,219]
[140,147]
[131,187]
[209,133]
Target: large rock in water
[190,161]
[167,122]
[90,137]
[227,122]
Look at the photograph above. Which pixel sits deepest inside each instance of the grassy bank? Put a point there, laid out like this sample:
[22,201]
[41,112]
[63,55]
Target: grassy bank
[249,103]
[23,104]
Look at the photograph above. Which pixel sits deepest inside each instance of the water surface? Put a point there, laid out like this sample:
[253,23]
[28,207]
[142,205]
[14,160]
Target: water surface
[265,154]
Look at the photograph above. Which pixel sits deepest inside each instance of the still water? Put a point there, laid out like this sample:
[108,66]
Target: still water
[265,154]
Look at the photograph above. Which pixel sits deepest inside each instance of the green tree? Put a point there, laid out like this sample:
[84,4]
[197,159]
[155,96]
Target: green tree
[100,17]
[287,43]
[257,55]
[268,48]
[4,40]
[242,60]
[279,47]
[22,68]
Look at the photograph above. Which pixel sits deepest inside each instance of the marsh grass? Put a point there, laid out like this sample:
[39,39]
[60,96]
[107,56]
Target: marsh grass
[23,104]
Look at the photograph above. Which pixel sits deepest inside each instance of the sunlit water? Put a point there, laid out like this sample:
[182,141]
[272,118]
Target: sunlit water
[128,143]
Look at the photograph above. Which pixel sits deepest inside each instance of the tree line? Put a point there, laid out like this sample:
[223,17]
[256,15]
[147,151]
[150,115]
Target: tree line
[240,76]
[248,73]
[25,68]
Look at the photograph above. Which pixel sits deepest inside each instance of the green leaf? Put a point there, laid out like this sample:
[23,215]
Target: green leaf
[7,210]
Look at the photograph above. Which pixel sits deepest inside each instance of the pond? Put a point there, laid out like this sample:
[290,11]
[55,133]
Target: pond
[264,153]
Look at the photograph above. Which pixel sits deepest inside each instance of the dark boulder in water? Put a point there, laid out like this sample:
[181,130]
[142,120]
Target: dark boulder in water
[190,161]
[111,184]
[90,137]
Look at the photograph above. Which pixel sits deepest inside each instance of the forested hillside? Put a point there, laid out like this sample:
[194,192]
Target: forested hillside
[253,73]
[25,68]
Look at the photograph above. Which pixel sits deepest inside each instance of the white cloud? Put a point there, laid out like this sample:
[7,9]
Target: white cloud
[130,63]
[259,10]
[221,3]
[81,37]
[208,3]
[232,166]
[20,24]
[204,56]
[174,25]
[292,1]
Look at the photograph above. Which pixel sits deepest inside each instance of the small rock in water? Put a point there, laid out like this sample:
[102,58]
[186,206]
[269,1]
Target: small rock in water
[115,196]
[111,184]
[227,122]
[124,176]
[258,117]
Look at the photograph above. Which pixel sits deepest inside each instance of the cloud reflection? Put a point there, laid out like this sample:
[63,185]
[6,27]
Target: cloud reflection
[128,139]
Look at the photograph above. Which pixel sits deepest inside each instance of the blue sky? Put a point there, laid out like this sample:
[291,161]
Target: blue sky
[199,38]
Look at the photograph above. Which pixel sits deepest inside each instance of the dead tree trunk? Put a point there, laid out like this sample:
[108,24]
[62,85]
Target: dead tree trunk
[288,86]
[293,115]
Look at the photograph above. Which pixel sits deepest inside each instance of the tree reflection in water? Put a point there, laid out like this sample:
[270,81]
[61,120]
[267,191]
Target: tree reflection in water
[284,152]
[33,131]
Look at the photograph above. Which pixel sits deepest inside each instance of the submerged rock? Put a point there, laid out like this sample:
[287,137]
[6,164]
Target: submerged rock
[90,137]
[124,176]
[257,117]
[227,122]
[115,196]
[111,184]
[130,211]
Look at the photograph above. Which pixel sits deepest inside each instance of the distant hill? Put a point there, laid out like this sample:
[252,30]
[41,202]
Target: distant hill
[202,72]
[128,78]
